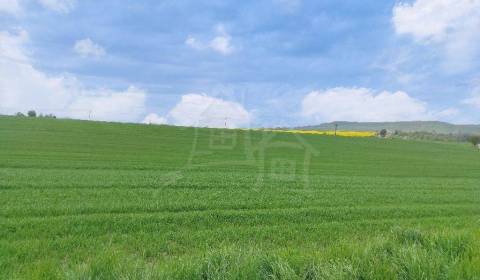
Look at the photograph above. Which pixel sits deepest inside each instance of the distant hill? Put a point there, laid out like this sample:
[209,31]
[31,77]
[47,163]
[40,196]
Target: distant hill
[413,126]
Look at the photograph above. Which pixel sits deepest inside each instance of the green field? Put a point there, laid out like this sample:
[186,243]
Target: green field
[91,200]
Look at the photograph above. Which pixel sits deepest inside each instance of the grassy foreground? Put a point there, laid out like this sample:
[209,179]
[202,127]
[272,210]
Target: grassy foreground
[87,200]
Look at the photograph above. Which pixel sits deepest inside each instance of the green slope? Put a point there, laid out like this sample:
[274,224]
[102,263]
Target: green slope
[91,200]
[415,126]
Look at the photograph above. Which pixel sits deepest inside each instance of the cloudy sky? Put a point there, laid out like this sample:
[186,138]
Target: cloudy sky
[247,63]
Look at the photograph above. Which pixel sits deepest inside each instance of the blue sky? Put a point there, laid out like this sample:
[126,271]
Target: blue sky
[252,63]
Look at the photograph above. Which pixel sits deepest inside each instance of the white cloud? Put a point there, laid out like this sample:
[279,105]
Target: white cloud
[205,111]
[59,6]
[221,43]
[448,114]
[474,99]
[434,19]
[87,47]
[10,7]
[361,104]
[23,87]
[109,105]
[11,46]
[451,24]
[14,7]
[154,119]
[193,43]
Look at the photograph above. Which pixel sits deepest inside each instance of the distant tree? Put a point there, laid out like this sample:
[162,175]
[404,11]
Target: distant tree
[20,114]
[50,116]
[383,133]
[475,140]
[32,113]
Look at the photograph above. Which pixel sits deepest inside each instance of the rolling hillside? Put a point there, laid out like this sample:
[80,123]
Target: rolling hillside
[93,200]
[417,126]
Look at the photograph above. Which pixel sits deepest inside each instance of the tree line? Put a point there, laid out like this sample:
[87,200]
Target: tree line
[33,114]
[432,136]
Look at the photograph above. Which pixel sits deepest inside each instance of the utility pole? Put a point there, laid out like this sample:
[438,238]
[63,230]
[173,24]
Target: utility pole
[336,127]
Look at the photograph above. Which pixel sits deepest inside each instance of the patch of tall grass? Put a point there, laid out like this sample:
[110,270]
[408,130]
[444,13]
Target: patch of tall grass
[401,254]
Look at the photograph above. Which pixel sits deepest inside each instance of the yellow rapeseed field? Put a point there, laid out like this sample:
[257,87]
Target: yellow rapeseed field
[327,132]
